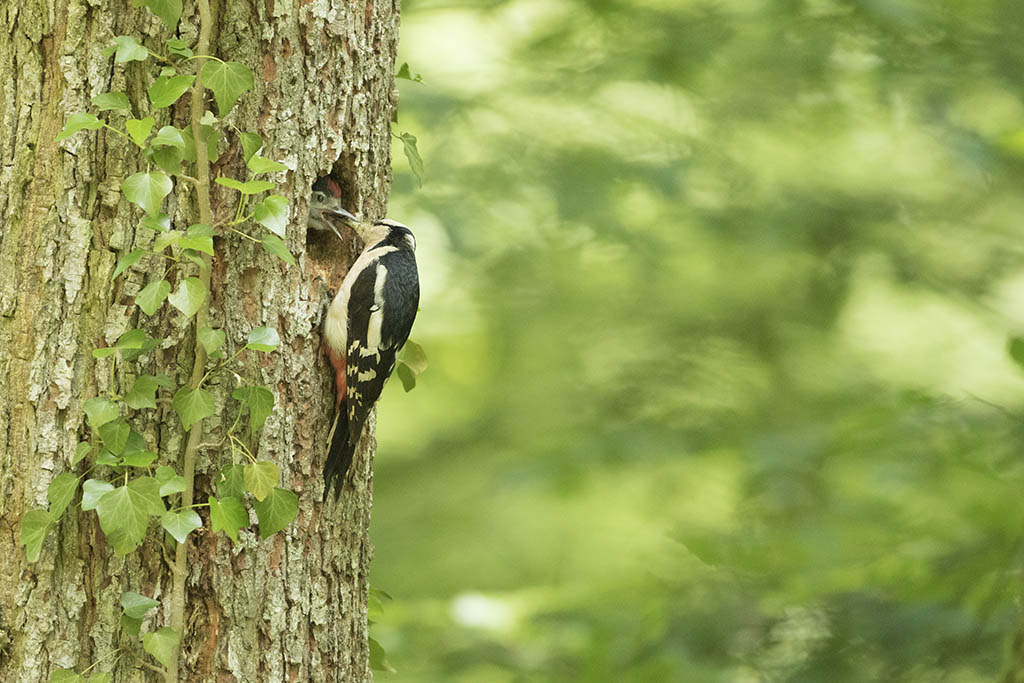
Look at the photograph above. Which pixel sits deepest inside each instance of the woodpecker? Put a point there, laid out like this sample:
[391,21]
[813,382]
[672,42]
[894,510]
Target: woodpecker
[367,322]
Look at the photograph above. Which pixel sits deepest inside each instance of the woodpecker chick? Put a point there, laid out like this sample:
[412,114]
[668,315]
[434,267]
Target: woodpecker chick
[366,325]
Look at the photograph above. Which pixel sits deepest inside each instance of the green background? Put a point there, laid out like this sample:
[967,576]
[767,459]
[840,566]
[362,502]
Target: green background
[717,299]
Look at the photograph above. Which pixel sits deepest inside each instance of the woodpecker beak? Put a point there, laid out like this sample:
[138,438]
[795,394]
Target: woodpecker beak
[342,213]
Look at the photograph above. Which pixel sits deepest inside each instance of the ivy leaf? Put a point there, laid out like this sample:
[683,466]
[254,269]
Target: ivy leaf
[130,626]
[135,605]
[261,478]
[132,354]
[147,190]
[168,10]
[34,525]
[77,122]
[166,239]
[180,524]
[92,491]
[379,658]
[61,492]
[411,363]
[127,49]
[66,676]
[198,237]
[139,129]
[166,90]
[403,72]
[228,515]
[111,100]
[251,143]
[209,135]
[179,48]
[168,136]
[162,644]
[124,512]
[132,339]
[249,187]
[143,392]
[160,223]
[211,339]
[136,451]
[81,450]
[263,339]
[231,482]
[258,164]
[189,297]
[272,213]
[115,435]
[152,296]
[127,261]
[170,481]
[100,411]
[193,405]
[276,511]
[260,401]
[413,155]
[272,244]
[407,376]
[107,458]
[227,80]
[169,159]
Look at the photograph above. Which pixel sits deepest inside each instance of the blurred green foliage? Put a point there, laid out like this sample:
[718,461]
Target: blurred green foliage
[716,297]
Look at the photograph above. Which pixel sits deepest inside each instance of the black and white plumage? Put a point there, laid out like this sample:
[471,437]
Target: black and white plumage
[366,325]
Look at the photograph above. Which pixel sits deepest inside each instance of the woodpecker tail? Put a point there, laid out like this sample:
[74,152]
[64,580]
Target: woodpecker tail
[339,457]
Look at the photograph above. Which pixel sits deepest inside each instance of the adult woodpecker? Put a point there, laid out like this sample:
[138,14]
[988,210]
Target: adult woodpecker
[367,323]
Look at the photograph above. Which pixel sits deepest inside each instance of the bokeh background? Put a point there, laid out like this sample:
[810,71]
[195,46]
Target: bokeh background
[717,300]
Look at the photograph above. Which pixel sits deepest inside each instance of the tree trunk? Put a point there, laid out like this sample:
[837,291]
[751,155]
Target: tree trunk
[289,608]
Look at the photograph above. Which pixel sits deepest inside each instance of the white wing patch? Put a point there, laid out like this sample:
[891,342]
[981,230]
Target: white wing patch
[377,310]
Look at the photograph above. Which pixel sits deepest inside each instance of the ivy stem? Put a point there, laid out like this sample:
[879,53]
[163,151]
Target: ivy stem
[195,435]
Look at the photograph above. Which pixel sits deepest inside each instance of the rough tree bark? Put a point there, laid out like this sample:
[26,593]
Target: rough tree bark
[292,607]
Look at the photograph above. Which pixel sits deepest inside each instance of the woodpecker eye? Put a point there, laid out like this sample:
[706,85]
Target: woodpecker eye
[319,197]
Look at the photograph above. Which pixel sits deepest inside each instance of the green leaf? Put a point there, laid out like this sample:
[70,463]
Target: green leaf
[211,339]
[193,405]
[77,122]
[227,80]
[251,143]
[92,491]
[414,356]
[169,159]
[407,376]
[66,676]
[249,187]
[231,482]
[211,136]
[147,190]
[135,605]
[413,155]
[61,492]
[162,644]
[152,296]
[228,515]
[105,457]
[168,10]
[178,48]
[261,478]
[81,450]
[124,512]
[131,339]
[198,237]
[379,658]
[272,213]
[166,90]
[99,677]
[127,49]
[127,261]
[180,524]
[34,525]
[115,435]
[166,239]
[100,411]
[190,296]
[131,626]
[258,164]
[260,401]
[111,100]
[143,392]
[139,129]
[160,223]
[170,481]
[276,511]
[263,339]
[272,244]
[136,451]
[403,72]
[168,135]
[208,119]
